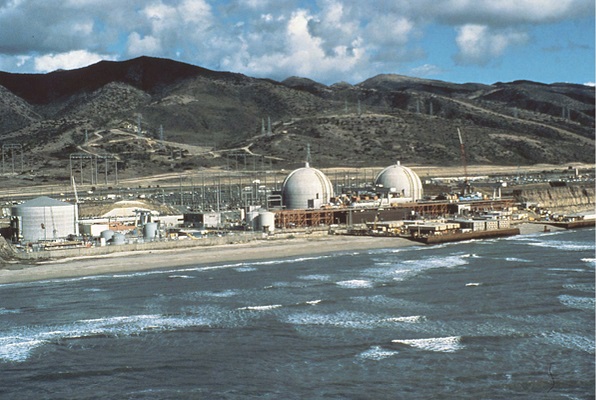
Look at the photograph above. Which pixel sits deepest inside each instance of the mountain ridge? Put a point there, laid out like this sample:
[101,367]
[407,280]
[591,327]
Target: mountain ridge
[373,122]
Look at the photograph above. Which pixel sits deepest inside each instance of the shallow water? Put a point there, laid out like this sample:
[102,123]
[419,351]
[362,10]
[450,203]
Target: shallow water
[496,319]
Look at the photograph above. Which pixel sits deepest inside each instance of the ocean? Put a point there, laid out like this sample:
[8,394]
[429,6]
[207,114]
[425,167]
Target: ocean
[509,318]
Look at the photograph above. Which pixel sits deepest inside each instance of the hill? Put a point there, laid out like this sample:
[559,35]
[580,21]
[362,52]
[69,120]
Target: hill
[191,117]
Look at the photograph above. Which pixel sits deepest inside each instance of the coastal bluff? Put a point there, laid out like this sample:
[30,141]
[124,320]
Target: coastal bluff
[567,198]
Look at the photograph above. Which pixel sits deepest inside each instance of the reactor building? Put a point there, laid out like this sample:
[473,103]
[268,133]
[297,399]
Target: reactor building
[306,188]
[399,182]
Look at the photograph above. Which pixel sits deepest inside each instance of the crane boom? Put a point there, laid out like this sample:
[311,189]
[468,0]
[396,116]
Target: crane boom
[74,188]
[462,150]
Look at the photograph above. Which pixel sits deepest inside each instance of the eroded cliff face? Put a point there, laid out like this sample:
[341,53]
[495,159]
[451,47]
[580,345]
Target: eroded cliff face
[7,252]
[570,198]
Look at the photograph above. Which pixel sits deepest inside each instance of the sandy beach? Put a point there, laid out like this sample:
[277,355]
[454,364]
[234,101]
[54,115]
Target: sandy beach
[256,250]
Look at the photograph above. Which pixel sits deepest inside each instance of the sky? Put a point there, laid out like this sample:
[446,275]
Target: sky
[329,41]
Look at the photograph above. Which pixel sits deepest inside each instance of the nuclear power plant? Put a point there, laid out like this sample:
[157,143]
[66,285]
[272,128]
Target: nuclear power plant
[389,202]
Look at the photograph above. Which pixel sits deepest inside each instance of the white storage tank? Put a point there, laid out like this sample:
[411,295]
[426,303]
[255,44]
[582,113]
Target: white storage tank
[118,239]
[45,218]
[106,235]
[266,221]
[252,219]
[150,231]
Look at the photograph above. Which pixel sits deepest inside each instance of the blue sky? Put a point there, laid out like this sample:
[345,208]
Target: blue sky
[329,41]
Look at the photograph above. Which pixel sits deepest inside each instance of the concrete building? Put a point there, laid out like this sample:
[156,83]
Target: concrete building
[399,182]
[306,188]
[45,218]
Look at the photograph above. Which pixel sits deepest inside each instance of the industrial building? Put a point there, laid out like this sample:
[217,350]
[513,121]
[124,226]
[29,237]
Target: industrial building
[306,188]
[400,183]
[305,201]
[44,218]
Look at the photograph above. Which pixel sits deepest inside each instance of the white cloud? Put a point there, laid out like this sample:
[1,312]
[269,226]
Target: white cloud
[590,84]
[138,46]
[70,60]
[507,12]
[326,40]
[427,70]
[480,45]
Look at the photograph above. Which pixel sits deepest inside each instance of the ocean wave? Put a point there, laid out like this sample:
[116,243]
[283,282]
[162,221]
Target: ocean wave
[413,319]
[563,245]
[590,261]
[4,311]
[352,320]
[449,344]
[315,277]
[582,303]
[516,259]
[406,269]
[582,287]
[261,308]
[17,344]
[245,269]
[377,353]
[313,302]
[570,341]
[180,277]
[355,284]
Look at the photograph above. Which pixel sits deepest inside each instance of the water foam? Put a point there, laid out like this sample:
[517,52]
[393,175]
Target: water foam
[562,245]
[355,284]
[449,344]
[406,269]
[582,303]
[8,311]
[590,261]
[353,320]
[515,259]
[313,302]
[377,353]
[315,277]
[261,308]
[582,287]
[413,319]
[570,341]
[245,269]
[17,345]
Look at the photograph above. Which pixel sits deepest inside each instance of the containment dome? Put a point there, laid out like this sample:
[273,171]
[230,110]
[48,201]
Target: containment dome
[400,180]
[44,218]
[306,188]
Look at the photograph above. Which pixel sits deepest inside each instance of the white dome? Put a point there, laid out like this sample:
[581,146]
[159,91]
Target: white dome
[306,188]
[402,179]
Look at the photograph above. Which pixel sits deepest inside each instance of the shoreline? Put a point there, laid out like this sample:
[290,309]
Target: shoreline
[134,261]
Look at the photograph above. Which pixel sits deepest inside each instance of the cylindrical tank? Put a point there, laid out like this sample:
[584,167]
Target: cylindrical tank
[266,221]
[118,239]
[107,234]
[252,218]
[44,218]
[150,231]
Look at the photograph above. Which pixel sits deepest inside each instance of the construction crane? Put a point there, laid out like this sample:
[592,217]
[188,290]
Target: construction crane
[462,149]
